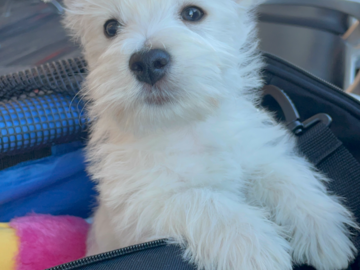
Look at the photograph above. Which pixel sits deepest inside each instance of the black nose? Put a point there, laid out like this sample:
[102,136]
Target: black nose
[149,66]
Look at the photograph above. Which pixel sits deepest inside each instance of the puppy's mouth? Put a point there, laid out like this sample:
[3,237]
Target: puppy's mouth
[156,94]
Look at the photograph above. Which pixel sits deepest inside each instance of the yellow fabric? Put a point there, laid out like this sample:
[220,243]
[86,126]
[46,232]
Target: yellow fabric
[8,247]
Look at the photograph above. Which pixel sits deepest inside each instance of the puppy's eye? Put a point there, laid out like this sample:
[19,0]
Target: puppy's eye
[111,28]
[192,14]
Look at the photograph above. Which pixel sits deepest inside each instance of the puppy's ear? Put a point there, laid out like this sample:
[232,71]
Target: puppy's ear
[73,6]
[249,3]
[68,3]
[73,16]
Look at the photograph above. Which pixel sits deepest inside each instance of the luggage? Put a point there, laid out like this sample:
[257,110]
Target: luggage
[43,170]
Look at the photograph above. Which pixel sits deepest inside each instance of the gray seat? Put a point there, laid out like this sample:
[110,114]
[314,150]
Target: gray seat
[310,34]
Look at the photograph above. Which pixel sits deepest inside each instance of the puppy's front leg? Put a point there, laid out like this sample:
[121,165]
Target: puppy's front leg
[220,232]
[317,222]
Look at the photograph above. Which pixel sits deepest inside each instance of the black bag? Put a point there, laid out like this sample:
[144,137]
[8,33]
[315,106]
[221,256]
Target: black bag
[324,118]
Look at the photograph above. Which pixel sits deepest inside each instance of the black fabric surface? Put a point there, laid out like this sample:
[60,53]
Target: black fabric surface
[159,258]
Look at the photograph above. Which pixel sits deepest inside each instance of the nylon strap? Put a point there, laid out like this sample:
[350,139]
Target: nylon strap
[329,155]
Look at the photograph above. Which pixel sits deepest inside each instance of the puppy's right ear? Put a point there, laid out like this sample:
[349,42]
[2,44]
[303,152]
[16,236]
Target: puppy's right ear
[71,3]
[74,10]
[249,3]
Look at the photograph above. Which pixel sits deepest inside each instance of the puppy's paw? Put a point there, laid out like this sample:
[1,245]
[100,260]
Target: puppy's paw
[244,251]
[271,256]
[323,241]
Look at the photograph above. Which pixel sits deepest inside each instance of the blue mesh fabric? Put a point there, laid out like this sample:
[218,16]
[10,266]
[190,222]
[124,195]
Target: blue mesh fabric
[36,121]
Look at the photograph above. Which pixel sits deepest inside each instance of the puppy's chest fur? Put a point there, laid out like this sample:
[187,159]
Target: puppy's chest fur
[211,154]
[217,154]
[183,159]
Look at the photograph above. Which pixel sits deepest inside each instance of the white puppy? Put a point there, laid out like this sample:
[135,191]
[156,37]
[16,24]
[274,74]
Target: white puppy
[179,148]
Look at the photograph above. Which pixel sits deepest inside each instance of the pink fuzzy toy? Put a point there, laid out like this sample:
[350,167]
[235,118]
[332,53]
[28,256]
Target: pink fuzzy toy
[45,241]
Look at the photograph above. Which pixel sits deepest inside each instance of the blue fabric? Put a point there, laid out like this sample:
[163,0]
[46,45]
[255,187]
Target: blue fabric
[55,185]
[27,123]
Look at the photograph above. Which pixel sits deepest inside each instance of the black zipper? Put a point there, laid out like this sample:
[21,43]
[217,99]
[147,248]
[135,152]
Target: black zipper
[109,255]
[312,76]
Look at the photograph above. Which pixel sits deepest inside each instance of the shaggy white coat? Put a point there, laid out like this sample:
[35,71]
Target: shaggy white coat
[193,159]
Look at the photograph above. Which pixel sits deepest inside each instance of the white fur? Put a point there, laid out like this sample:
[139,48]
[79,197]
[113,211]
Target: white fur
[206,169]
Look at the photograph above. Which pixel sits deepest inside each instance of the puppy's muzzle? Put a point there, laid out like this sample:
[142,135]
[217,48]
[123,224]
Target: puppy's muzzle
[150,66]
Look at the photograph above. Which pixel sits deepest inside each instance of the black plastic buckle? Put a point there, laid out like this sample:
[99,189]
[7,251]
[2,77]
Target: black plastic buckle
[292,117]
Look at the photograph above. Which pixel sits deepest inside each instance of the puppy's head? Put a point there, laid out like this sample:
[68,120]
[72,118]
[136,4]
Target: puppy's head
[155,63]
